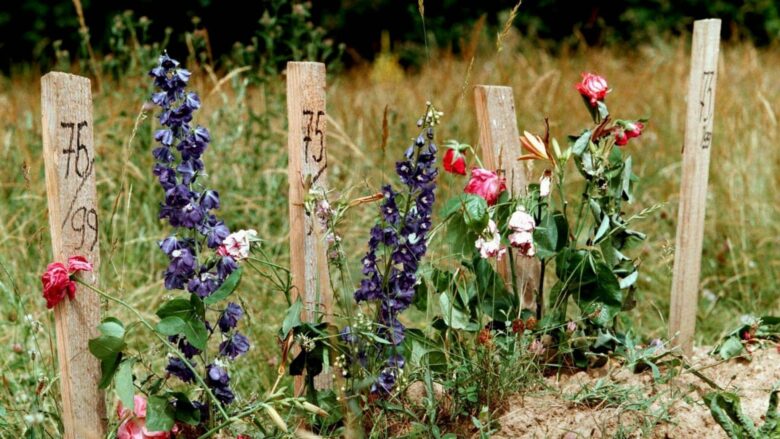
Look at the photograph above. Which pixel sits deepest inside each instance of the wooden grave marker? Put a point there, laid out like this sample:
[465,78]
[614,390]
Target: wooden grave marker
[307,171]
[500,142]
[69,158]
[693,187]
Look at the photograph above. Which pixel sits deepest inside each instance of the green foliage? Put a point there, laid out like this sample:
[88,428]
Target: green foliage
[751,331]
[726,408]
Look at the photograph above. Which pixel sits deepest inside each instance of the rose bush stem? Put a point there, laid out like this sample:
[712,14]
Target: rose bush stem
[168,344]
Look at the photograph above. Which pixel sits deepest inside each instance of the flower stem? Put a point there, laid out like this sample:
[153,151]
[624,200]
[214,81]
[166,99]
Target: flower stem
[165,341]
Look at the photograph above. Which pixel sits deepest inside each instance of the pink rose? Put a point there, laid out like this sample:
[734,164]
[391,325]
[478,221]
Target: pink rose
[58,280]
[486,184]
[634,129]
[78,263]
[621,139]
[593,87]
[57,284]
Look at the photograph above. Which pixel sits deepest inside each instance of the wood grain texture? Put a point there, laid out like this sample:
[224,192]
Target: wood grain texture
[693,188]
[307,171]
[499,138]
[69,158]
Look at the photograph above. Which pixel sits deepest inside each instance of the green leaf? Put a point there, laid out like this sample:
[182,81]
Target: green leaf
[730,348]
[293,317]
[185,411]
[453,317]
[475,212]
[196,332]
[192,328]
[581,143]
[108,368]
[172,325]
[551,235]
[176,307]
[726,408]
[629,280]
[111,341]
[123,383]
[496,301]
[420,300]
[603,229]
[159,414]
[226,289]
[198,307]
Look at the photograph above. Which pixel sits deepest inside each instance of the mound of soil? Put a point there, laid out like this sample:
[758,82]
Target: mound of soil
[615,402]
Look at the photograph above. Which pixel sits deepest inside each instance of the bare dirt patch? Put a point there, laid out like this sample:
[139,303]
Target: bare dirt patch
[615,402]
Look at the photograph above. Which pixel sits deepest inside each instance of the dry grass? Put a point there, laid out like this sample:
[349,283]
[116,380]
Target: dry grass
[247,165]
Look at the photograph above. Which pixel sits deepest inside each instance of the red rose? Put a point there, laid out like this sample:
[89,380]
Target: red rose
[621,138]
[57,284]
[454,162]
[78,263]
[57,280]
[634,129]
[593,87]
[486,184]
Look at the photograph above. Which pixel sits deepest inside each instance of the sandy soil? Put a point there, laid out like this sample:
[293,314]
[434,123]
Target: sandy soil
[633,405]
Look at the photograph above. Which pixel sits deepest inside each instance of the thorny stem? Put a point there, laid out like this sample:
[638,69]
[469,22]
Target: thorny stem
[165,341]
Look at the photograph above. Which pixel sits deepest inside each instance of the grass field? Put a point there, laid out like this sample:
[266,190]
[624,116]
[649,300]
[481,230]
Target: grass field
[247,165]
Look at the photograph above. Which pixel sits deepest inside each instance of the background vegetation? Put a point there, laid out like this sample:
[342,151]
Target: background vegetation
[244,110]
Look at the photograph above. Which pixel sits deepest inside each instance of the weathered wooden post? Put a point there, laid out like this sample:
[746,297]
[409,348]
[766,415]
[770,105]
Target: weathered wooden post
[69,157]
[307,172]
[693,189]
[500,141]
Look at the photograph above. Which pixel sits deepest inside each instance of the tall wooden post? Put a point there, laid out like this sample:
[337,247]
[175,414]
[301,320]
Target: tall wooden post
[693,190]
[308,163]
[500,140]
[69,157]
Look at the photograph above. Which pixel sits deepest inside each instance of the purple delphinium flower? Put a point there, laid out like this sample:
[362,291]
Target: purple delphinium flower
[185,205]
[190,207]
[177,368]
[229,318]
[401,234]
[218,380]
[234,346]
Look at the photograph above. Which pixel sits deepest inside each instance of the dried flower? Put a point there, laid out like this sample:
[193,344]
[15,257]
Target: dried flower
[490,247]
[486,184]
[58,280]
[537,149]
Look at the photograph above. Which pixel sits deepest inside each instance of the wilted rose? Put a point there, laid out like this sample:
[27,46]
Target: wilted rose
[490,247]
[486,184]
[57,284]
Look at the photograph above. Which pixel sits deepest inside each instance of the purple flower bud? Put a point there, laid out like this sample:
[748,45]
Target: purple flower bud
[192,100]
[229,318]
[177,368]
[236,345]
[209,200]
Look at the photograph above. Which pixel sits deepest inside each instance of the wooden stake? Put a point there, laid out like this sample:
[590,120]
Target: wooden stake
[69,157]
[500,140]
[693,188]
[308,163]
